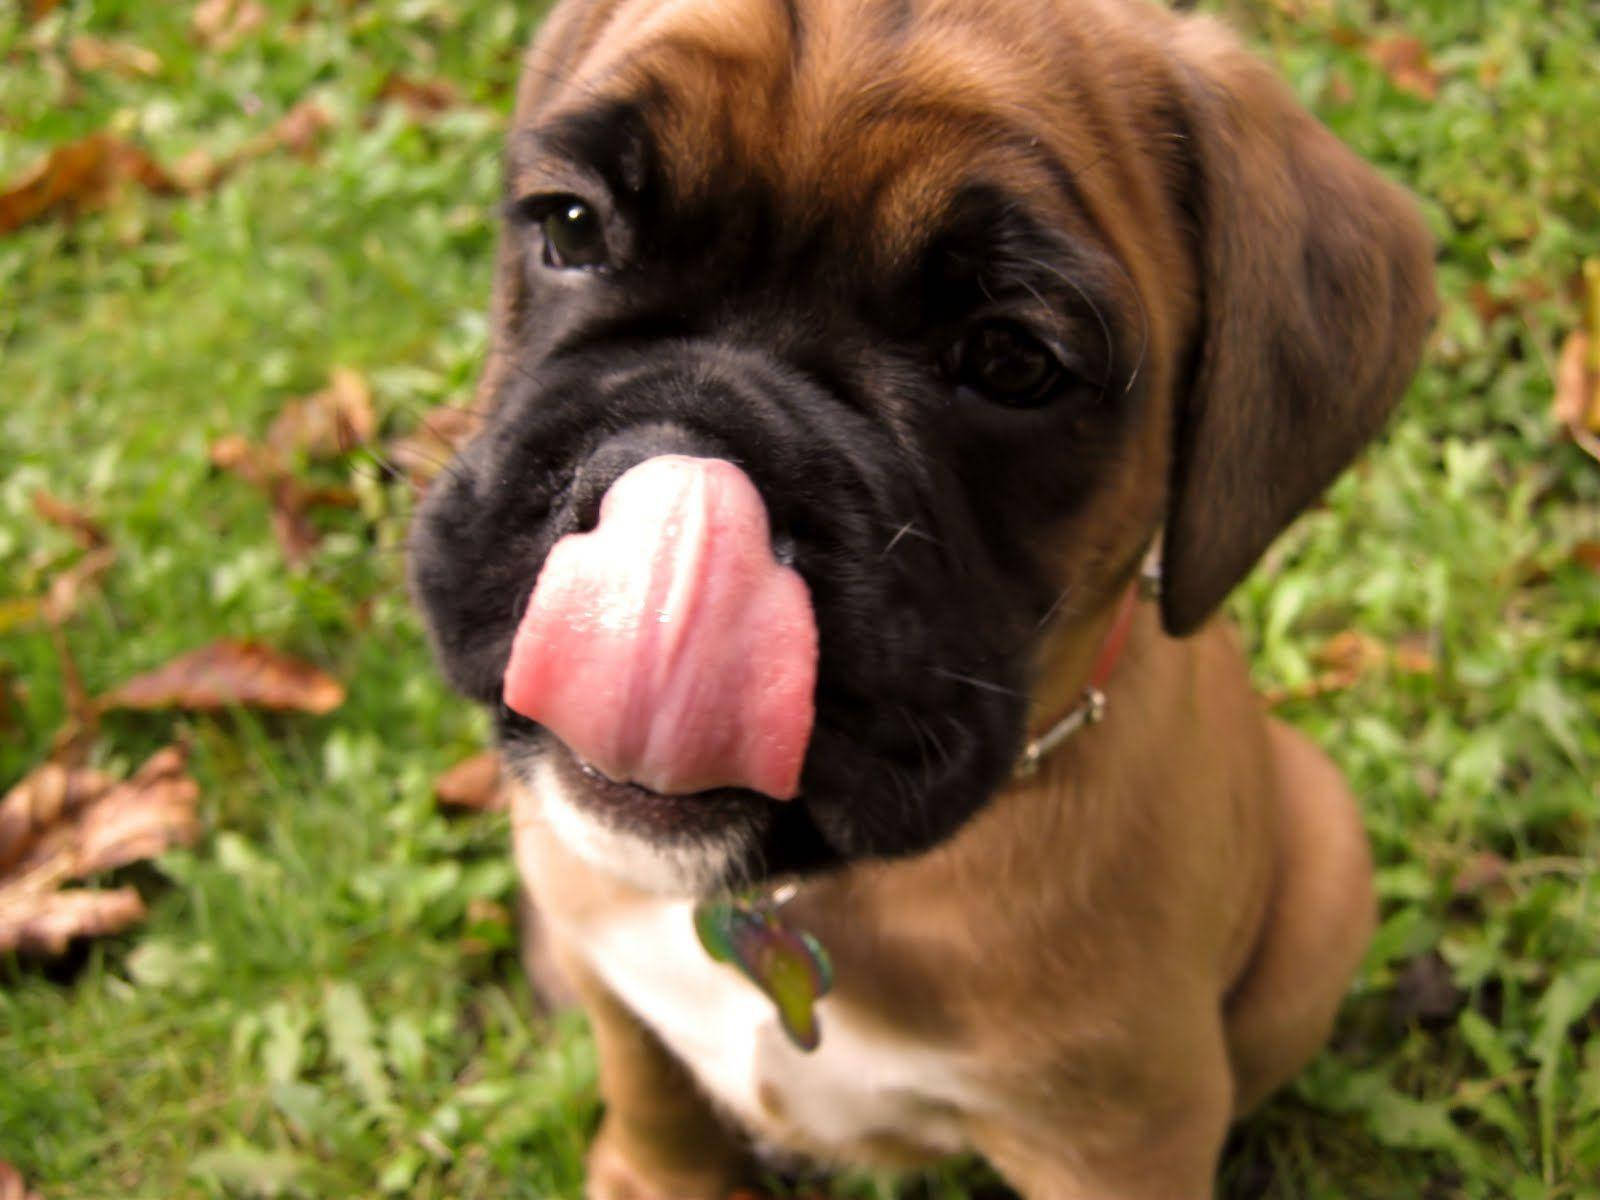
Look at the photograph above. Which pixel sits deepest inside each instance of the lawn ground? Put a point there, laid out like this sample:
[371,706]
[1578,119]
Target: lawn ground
[324,1001]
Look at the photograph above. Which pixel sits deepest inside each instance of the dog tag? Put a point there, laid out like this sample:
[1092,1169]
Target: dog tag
[789,966]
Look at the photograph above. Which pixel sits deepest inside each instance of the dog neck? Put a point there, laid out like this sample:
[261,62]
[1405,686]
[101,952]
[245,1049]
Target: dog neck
[1090,707]
[747,932]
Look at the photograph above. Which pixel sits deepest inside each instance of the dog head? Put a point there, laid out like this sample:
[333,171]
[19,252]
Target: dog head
[979,295]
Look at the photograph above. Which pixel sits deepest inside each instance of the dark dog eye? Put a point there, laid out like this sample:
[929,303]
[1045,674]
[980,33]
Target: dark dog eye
[574,236]
[1008,365]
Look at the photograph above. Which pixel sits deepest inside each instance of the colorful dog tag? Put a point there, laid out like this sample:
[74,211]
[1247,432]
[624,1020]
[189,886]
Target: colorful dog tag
[789,966]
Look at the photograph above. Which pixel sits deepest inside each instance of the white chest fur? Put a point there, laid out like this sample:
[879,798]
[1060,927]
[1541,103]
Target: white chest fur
[861,1083]
[857,1084]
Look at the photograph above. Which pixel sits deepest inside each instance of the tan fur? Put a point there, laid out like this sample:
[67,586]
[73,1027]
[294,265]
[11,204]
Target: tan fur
[1152,934]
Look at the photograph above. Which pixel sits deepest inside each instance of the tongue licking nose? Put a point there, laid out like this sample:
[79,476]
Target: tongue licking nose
[667,647]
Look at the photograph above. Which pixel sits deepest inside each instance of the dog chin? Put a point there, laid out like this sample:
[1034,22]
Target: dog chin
[693,867]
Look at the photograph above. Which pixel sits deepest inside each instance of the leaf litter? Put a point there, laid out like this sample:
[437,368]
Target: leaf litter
[81,177]
[230,673]
[423,454]
[61,824]
[319,427]
[95,171]
[474,784]
[1576,409]
[13,1186]
[1350,656]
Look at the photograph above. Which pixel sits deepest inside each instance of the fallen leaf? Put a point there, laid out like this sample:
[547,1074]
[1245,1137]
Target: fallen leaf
[223,24]
[422,98]
[328,423]
[66,589]
[97,827]
[83,716]
[85,530]
[80,177]
[1577,399]
[52,920]
[291,500]
[39,9]
[1348,657]
[44,796]
[1405,60]
[1350,654]
[230,673]
[252,462]
[1587,554]
[300,129]
[91,54]
[426,451]
[1577,384]
[474,783]
[1412,655]
[12,1185]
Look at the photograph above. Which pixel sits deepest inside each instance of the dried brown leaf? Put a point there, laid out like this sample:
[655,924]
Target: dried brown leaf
[51,920]
[300,129]
[474,783]
[85,530]
[328,423]
[422,98]
[83,717]
[1405,60]
[70,824]
[12,1185]
[92,54]
[291,500]
[1413,655]
[223,24]
[231,673]
[1577,398]
[1587,554]
[425,452]
[44,796]
[67,588]
[80,177]
[1350,656]
[120,824]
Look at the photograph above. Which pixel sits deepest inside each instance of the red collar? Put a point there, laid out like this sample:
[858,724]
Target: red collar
[1091,708]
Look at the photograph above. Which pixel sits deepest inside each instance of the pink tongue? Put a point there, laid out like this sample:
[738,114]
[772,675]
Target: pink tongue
[668,647]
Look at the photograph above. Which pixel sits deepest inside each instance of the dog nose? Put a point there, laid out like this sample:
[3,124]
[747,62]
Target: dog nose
[617,455]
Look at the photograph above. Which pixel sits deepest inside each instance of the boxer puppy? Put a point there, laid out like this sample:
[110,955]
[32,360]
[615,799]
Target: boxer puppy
[848,358]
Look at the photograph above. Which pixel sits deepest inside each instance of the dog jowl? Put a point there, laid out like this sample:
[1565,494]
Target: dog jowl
[848,358]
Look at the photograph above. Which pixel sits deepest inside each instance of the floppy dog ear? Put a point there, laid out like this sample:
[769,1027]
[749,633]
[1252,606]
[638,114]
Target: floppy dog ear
[1316,286]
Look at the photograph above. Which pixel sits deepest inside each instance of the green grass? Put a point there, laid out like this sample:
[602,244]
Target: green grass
[317,1007]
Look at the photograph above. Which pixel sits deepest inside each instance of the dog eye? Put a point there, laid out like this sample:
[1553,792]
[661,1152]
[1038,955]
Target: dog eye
[1008,365]
[573,237]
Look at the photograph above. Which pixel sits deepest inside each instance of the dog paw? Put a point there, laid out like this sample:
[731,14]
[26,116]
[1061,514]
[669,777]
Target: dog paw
[612,1175]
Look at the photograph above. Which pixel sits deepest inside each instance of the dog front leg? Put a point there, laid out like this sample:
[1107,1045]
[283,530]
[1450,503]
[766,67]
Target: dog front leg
[660,1138]
[1152,1130]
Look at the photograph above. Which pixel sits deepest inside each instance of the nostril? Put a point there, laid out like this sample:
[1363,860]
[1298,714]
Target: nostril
[584,495]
